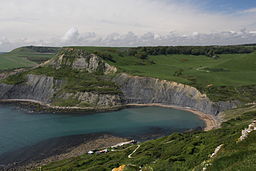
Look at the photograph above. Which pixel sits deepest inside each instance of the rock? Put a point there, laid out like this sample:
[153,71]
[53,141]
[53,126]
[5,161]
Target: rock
[94,99]
[120,168]
[247,131]
[145,90]
[81,60]
[37,87]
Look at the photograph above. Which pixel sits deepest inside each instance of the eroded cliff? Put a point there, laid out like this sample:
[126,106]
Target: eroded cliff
[145,90]
[98,89]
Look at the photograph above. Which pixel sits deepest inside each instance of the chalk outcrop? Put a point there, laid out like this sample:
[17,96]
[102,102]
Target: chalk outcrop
[247,131]
[81,60]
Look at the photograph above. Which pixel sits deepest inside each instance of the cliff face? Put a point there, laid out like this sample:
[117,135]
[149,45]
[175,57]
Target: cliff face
[51,91]
[141,90]
[37,87]
[45,89]
[145,90]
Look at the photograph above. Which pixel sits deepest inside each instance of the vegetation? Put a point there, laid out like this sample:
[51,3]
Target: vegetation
[222,72]
[26,57]
[15,79]
[79,81]
[74,81]
[230,76]
[179,151]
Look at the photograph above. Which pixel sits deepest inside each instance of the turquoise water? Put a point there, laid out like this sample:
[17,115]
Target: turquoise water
[19,128]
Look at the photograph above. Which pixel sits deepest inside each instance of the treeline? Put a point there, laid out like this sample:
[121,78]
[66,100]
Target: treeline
[211,51]
[43,49]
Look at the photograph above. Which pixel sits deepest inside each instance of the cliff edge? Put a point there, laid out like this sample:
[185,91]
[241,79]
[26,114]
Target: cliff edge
[76,78]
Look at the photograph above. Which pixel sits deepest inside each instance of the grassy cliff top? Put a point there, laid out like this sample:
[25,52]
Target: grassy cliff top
[222,72]
[26,57]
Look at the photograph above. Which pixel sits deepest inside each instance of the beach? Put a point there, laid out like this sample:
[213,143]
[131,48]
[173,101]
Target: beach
[210,121]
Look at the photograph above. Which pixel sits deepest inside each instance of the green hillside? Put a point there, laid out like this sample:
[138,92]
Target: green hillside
[26,57]
[223,73]
[179,151]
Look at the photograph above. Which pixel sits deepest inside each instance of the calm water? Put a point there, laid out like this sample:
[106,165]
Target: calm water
[19,129]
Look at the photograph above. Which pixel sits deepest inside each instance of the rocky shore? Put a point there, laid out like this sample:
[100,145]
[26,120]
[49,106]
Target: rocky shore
[38,106]
[54,149]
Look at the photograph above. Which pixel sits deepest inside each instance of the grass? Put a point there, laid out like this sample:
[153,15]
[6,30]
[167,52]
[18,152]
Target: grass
[26,57]
[230,77]
[179,151]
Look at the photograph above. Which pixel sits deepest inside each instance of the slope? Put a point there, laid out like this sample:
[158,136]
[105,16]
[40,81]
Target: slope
[25,57]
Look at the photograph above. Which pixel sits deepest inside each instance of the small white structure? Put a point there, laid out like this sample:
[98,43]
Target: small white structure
[90,152]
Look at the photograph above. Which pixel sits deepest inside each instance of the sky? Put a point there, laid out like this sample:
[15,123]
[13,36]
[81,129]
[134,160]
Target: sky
[126,22]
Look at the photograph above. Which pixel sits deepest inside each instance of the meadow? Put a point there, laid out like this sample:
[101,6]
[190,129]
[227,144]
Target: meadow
[228,77]
[25,57]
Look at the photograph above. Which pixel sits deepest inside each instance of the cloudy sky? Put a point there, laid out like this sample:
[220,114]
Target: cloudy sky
[126,22]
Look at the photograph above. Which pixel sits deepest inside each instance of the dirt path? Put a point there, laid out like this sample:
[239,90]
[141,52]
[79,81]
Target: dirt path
[130,155]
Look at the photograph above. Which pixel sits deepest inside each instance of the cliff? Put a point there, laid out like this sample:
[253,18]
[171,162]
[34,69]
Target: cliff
[82,79]
[37,87]
[72,78]
[49,91]
[145,90]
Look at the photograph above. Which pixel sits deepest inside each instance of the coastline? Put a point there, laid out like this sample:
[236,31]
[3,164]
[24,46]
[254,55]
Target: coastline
[54,149]
[211,122]
[41,106]
[75,150]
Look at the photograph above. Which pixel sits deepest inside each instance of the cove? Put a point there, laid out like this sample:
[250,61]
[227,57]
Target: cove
[19,128]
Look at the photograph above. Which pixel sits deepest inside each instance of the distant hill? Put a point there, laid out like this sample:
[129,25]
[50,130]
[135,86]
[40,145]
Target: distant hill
[28,56]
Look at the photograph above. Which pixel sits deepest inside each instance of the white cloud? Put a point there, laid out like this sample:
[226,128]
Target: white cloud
[45,21]
[72,35]
[251,10]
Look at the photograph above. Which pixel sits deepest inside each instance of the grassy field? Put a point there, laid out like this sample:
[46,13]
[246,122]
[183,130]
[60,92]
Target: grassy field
[229,77]
[229,69]
[179,151]
[25,57]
